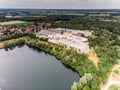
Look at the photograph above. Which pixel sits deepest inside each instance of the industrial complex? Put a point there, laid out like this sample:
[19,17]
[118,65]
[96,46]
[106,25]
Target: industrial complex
[70,38]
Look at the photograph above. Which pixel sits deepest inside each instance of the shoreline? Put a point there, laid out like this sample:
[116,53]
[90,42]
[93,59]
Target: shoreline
[77,64]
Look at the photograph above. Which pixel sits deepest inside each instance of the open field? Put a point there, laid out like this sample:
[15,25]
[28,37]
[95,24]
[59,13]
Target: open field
[117,17]
[27,16]
[76,14]
[12,22]
[99,15]
[111,20]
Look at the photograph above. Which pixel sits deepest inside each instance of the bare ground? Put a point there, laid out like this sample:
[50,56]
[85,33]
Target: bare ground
[113,79]
[1,45]
[93,57]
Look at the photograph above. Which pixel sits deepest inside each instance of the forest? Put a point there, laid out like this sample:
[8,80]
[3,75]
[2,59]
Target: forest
[87,24]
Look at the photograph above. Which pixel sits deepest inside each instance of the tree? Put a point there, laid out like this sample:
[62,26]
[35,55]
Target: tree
[84,83]
[74,86]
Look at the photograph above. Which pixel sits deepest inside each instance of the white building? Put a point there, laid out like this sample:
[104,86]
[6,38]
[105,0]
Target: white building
[77,42]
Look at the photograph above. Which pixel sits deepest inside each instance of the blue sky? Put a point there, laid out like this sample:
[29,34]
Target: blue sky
[61,4]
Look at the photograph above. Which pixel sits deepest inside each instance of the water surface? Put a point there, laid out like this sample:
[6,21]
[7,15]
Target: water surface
[24,68]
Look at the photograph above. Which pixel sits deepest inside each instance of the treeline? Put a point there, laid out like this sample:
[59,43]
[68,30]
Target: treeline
[17,36]
[14,43]
[45,18]
[87,24]
[22,35]
[72,58]
[107,47]
[13,37]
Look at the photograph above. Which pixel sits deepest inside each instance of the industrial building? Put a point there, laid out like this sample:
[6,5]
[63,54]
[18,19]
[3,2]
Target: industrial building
[68,37]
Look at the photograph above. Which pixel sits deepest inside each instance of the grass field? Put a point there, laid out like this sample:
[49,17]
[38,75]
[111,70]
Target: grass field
[117,17]
[100,15]
[12,22]
[111,20]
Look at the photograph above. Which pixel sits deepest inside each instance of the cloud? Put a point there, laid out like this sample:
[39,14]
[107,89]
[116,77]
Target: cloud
[67,4]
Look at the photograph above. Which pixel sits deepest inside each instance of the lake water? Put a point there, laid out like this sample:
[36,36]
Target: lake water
[24,68]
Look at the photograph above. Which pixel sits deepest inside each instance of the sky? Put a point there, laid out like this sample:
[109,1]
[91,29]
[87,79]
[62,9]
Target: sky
[61,4]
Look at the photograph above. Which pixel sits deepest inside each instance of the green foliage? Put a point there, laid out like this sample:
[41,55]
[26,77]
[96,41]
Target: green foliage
[16,42]
[116,71]
[106,46]
[84,83]
[74,86]
[107,50]
[13,37]
[87,24]
[77,61]
[114,88]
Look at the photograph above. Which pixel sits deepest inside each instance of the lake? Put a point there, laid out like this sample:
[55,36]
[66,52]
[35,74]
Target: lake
[25,68]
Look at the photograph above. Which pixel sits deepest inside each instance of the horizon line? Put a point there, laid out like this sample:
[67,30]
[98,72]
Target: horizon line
[66,8]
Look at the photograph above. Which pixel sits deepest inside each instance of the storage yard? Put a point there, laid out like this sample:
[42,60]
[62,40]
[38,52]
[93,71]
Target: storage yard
[70,38]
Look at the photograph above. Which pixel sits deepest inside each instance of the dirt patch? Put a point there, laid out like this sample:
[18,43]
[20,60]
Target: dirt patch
[113,79]
[1,45]
[93,57]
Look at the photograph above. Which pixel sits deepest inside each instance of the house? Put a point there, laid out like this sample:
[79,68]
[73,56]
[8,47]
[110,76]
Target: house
[13,29]
[8,16]
[47,25]
[29,29]
[1,34]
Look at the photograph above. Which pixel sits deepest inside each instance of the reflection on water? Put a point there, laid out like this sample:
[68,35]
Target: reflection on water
[13,47]
[25,68]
